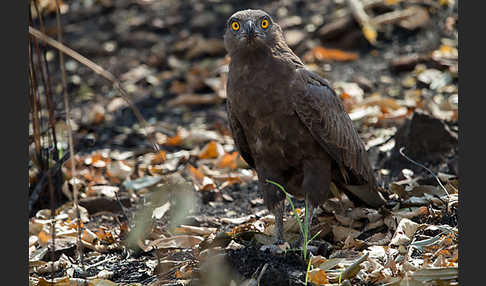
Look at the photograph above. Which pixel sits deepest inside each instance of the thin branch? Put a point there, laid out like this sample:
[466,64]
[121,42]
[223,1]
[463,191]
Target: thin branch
[44,68]
[367,26]
[34,196]
[99,70]
[34,110]
[420,165]
[70,136]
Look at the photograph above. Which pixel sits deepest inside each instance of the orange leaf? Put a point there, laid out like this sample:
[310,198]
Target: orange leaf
[233,180]
[196,173]
[124,227]
[156,170]
[43,237]
[106,236]
[210,151]
[321,53]
[318,276]
[175,140]
[347,101]
[159,158]
[228,161]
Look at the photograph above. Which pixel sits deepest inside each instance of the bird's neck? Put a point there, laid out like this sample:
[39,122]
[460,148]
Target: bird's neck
[282,51]
[279,53]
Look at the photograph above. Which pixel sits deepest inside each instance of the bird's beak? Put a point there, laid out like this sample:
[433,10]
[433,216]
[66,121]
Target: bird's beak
[250,30]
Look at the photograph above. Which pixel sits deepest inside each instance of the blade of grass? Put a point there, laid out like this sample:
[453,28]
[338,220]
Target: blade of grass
[307,271]
[290,201]
[303,228]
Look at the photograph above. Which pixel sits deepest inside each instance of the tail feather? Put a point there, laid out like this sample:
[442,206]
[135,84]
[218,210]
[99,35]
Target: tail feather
[369,196]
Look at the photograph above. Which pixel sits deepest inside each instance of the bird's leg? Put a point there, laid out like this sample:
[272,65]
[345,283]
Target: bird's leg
[317,178]
[278,211]
[273,198]
[306,225]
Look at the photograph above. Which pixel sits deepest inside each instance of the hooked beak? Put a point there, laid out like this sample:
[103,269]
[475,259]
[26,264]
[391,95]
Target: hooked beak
[250,30]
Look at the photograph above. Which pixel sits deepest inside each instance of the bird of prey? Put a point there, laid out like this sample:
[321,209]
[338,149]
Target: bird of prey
[288,123]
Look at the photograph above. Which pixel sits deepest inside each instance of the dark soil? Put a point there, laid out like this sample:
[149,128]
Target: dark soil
[286,269]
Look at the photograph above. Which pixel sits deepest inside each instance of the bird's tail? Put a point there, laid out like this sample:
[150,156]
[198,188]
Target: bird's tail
[363,193]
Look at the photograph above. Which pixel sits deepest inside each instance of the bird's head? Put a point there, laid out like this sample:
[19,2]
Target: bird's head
[251,30]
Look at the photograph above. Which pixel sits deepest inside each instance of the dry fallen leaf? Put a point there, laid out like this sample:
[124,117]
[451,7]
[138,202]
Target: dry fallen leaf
[341,233]
[320,53]
[404,233]
[228,161]
[194,99]
[318,276]
[178,241]
[212,150]
[174,140]
[201,230]
[159,158]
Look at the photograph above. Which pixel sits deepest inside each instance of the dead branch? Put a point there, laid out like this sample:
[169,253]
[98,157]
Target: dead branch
[98,70]
[359,13]
[70,135]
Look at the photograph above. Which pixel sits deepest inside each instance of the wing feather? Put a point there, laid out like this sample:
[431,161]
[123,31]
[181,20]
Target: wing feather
[323,113]
[239,136]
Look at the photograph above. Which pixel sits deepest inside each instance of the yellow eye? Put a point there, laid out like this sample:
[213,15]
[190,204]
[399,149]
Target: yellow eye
[235,26]
[264,23]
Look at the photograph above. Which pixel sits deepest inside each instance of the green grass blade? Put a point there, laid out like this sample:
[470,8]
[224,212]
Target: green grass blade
[290,201]
[307,272]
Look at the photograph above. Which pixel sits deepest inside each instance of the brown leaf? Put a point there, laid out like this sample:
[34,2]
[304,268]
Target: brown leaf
[175,140]
[318,276]
[188,229]
[178,241]
[341,233]
[196,173]
[44,238]
[320,53]
[228,161]
[211,150]
[194,99]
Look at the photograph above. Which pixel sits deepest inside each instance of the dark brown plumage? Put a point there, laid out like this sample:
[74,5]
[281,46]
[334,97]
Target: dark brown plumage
[288,123]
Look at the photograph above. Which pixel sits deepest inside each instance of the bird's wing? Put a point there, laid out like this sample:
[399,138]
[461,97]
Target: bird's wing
[239,136]
[323,113]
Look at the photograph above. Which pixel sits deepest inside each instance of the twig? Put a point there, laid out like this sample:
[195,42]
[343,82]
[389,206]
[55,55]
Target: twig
[99,70]
[70,136]
[352,269]
[34,196]
[420,165]
[343,19]
[53,224]
[34,110]
[101,262]
[47,85]
[392,17]
[264,268]
[359,13]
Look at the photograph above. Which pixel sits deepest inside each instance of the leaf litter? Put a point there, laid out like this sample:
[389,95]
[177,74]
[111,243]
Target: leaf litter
[191,212]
